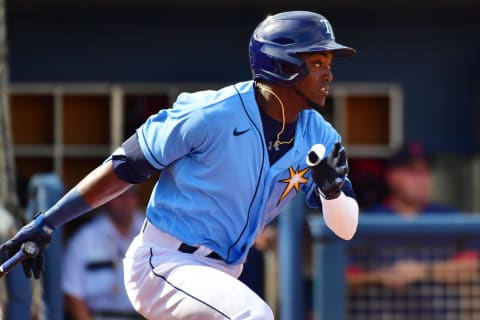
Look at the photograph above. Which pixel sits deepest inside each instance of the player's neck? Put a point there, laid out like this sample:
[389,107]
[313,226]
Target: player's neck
[276,102]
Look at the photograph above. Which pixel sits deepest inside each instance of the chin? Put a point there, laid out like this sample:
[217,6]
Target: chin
[315,103]
[320,102]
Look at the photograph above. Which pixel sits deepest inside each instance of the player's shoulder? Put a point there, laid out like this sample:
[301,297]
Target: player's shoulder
[437,208]
[317,130]
[314,117]
[314,123]
[220,107]
[212,98]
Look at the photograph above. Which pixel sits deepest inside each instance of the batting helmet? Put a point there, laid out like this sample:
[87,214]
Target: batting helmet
[276,42]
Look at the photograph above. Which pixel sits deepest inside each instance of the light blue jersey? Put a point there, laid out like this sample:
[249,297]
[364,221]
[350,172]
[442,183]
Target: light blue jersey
[217,187]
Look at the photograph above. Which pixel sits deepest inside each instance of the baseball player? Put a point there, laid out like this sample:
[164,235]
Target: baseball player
[230,161]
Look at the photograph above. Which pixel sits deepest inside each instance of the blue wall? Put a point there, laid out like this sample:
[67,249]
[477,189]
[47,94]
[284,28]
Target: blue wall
[434,57]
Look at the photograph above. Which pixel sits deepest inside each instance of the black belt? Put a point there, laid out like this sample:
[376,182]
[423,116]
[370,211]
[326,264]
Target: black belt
[117,314]
[190,249]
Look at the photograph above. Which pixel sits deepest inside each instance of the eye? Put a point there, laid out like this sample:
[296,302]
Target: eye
[320,65]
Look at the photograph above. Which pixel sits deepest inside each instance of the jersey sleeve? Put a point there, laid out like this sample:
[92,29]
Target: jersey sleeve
[171,134]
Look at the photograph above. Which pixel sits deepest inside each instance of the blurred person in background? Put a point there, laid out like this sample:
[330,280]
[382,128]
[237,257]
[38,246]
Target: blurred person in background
[408,177]
[93,271]
[409,180]
[15,289]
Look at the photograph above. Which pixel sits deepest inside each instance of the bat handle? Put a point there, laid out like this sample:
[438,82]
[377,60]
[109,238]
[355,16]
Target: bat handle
[28,250]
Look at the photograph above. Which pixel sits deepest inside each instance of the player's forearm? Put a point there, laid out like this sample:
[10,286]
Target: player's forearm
[101,185]
[454,271]
[363,279]
[341,215]
[97,188]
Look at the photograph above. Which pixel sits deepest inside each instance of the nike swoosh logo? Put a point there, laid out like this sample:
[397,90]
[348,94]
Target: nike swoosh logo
[237,133]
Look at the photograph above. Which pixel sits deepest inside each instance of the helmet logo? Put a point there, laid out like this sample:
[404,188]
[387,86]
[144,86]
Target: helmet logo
[328,27]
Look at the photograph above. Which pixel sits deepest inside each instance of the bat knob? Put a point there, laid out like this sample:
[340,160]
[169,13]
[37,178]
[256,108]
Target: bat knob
[315,155]
[30,249]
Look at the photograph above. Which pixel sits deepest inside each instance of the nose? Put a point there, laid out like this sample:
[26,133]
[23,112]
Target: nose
[328,76]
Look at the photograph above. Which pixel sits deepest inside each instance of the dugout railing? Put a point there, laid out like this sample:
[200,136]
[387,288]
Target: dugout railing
[380,240]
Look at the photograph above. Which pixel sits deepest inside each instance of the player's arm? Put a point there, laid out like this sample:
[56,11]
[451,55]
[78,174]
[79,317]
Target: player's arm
[461,268]
[97,188]
[124,168]
[339,206]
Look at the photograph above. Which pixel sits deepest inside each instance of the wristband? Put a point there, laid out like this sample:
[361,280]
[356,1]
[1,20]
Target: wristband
[329,197]
[42,225]
[67,208]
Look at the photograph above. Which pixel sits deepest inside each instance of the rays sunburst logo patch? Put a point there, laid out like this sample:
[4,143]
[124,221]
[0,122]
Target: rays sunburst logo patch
[297,178]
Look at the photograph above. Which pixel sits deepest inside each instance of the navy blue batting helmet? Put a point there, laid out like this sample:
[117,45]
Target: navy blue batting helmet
[276,42]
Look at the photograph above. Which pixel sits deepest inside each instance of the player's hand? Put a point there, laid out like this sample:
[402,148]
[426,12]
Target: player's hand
[37,231]
[329,173]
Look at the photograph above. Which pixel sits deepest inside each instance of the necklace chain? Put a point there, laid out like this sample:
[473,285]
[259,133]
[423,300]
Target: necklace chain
[277,141]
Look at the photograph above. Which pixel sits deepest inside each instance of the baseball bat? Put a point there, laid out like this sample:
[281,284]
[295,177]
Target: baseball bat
[28,250]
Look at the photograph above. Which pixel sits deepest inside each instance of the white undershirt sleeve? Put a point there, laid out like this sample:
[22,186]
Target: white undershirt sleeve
[341,215]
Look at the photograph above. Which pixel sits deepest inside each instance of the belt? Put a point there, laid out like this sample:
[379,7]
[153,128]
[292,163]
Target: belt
[110,314]
[155,234]
[191,249]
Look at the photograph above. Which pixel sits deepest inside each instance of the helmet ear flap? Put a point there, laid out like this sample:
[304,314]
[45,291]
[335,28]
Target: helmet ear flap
[275,64]
[283,73]
[297,72]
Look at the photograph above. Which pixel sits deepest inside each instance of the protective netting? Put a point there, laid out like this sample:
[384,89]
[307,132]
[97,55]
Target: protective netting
[7,166]
[448,288]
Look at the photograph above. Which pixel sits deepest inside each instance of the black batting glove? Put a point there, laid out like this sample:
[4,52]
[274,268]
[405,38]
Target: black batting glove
[329,174]
[37,231]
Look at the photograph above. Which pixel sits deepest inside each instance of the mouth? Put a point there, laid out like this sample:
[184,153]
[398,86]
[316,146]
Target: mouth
[324,90]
